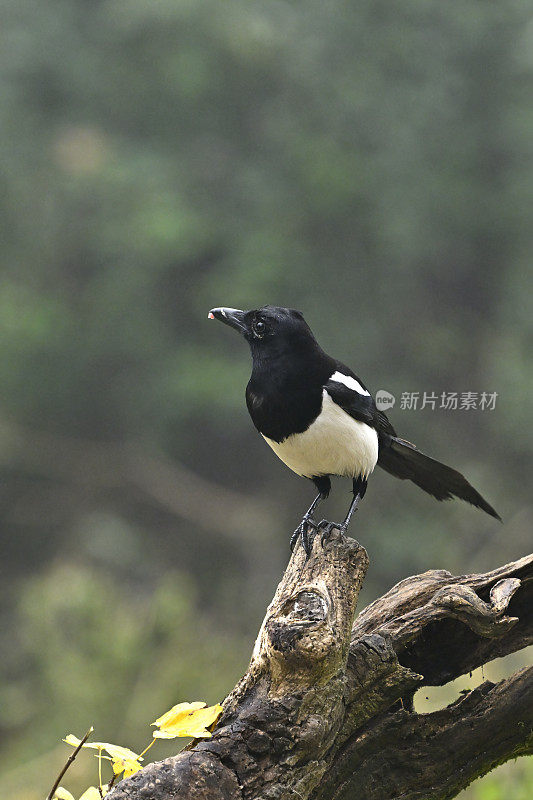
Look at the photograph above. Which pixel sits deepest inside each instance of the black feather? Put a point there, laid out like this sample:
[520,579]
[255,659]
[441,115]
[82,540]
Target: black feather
[285,396]
[401,459]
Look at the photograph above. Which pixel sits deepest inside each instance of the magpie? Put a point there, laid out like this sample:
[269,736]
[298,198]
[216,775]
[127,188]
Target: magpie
[321,420]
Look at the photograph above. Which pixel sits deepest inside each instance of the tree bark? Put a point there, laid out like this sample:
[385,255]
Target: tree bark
[325,709]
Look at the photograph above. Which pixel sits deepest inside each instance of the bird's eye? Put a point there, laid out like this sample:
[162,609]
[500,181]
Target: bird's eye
[259,328]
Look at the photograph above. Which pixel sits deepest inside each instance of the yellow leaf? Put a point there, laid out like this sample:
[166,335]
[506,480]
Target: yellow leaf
[62,794]
[121,753]
[201,734]
[73,740]
[187,719]
[131,767]
[176,713]
[127,765]
[114,750]
[92,793]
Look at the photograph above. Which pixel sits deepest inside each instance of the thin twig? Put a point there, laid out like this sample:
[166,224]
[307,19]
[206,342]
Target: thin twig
[111,782]
[69,762]
[100,772]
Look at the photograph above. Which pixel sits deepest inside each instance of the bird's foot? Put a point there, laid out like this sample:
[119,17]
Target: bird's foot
[305,532]
[328,529]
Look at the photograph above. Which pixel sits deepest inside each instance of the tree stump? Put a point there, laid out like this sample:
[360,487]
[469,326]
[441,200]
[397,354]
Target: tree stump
[325,709]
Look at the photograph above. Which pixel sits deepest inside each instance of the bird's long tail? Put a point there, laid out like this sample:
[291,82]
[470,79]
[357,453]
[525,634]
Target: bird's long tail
[403,460]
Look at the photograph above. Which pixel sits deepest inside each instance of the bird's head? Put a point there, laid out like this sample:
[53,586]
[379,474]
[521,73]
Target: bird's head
[269,330]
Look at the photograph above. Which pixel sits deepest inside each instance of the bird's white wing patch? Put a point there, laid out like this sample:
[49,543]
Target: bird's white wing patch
[350,382]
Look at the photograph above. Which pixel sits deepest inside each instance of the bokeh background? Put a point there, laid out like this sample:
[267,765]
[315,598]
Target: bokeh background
[368,163]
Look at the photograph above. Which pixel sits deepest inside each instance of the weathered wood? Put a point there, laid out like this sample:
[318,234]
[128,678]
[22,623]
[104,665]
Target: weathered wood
[441,626]
[434,756]
[324,711]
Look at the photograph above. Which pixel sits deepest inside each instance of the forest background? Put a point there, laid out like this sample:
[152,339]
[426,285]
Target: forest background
[367,163]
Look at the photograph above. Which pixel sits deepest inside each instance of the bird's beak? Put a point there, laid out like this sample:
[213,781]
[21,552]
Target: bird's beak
[229,316]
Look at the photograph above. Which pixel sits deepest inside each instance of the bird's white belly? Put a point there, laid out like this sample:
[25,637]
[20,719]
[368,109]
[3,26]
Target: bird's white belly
[334,444]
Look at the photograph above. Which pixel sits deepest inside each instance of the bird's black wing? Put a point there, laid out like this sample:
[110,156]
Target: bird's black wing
[359,406]
[397,456]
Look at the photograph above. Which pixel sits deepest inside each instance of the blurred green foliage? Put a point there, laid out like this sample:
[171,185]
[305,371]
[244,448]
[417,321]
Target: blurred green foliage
[107,654]
[368,163]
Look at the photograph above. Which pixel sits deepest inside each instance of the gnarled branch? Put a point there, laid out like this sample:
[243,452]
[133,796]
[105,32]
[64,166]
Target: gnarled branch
[324,709]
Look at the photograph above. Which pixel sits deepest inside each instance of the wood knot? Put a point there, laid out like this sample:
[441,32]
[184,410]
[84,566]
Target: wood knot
[299,616]
[307,606]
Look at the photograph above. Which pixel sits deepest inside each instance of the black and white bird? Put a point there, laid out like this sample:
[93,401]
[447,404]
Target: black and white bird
[321,420]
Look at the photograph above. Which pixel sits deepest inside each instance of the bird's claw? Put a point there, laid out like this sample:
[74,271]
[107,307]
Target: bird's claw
[303,532]
[327,529]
